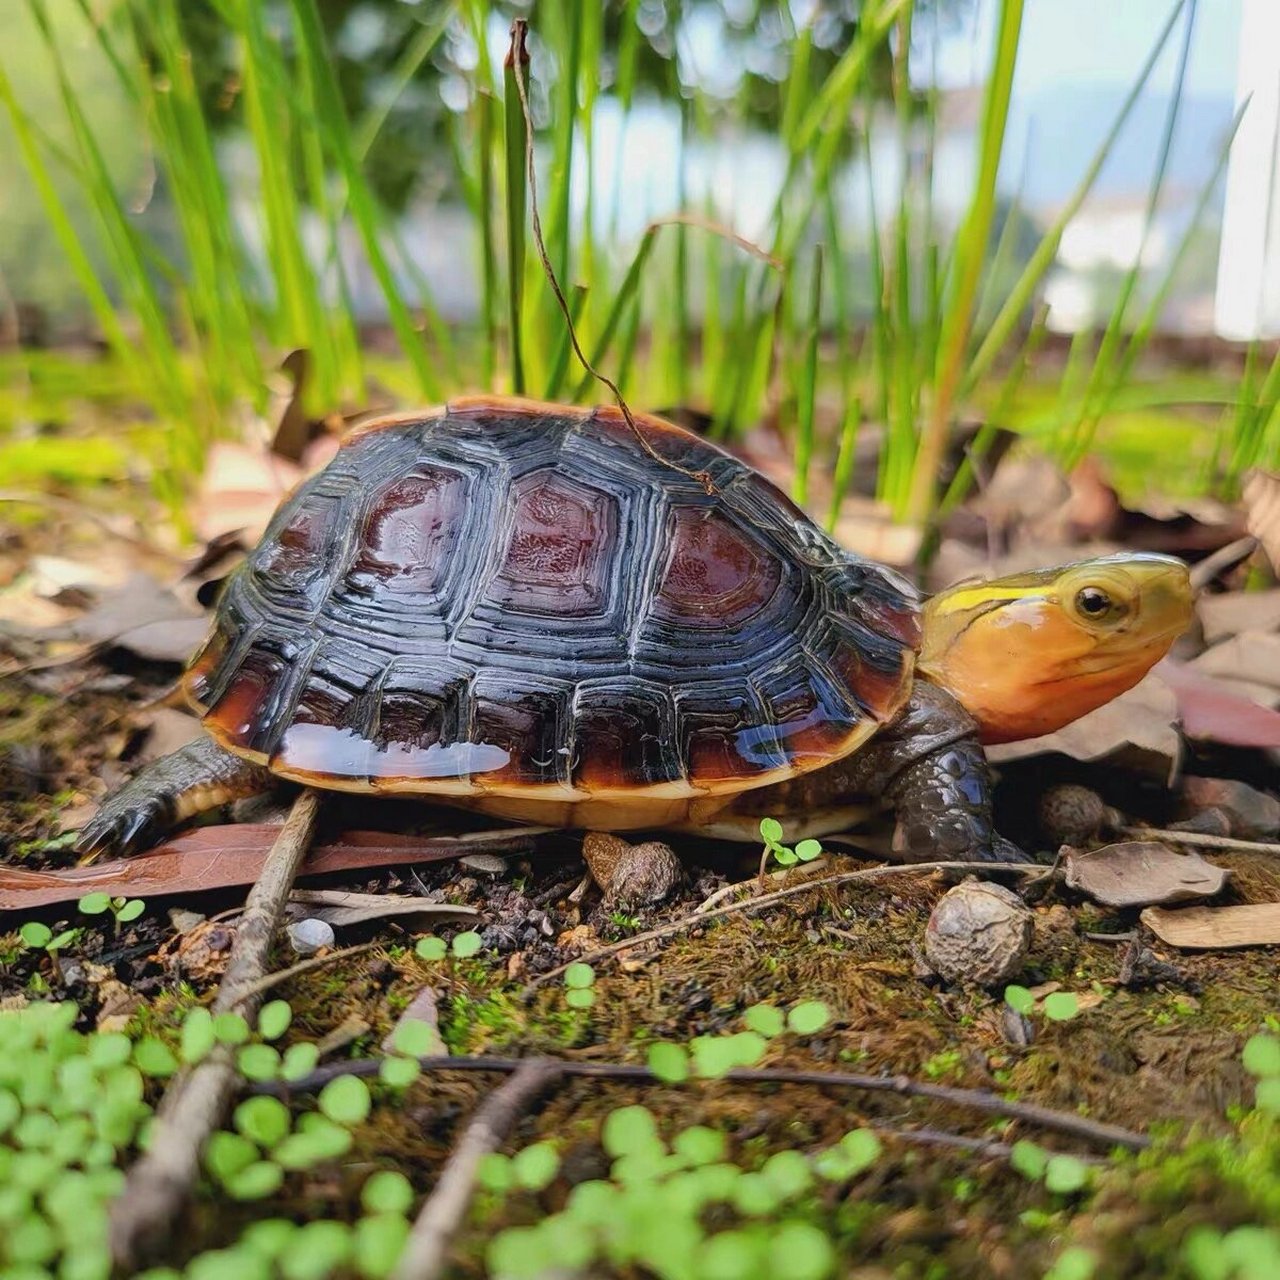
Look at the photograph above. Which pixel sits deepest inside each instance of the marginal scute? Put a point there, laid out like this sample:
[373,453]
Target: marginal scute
[622,736]
[518,605]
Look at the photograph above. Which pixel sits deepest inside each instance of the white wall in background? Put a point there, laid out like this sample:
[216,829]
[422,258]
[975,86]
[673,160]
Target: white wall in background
[1247,302]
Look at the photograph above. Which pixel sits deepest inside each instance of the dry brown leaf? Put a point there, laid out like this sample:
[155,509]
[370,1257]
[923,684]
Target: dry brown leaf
[1216,928]
[1212,711]
[1137,873]
[217,857]
[119,1004]
[1226,615]
[1250,659]
[1261,496]
[141,615]
[1135,731]
[168,729]
[1250,814]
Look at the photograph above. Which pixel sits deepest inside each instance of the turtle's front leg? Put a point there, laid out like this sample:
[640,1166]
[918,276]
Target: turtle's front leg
[199,776]
[930,766]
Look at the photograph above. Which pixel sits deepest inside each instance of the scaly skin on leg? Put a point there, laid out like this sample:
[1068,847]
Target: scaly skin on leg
[199,776]
[930,766]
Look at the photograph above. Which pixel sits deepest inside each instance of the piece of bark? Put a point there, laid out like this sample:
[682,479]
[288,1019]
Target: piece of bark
[341,908]
[196,1101]
[1216,928]
[1139,873]
[221,857]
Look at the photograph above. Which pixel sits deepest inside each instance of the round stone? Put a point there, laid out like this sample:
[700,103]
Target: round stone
[309,936]
[979,934]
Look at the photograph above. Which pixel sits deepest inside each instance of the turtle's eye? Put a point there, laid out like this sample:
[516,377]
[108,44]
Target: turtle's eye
[1096,605]
[1093,601]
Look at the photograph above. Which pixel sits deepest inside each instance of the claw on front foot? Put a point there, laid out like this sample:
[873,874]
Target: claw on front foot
[631,874]
[121,829]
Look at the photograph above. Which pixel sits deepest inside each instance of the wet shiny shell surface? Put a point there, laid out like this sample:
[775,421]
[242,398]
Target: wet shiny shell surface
[514,599]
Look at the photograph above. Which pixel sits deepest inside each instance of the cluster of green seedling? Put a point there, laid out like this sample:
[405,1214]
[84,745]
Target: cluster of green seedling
[1058,1006]
[784,855]
[652,1211]
[279,1247]
[1250,1251]
[710,1056]
[70,1104]
[37,936]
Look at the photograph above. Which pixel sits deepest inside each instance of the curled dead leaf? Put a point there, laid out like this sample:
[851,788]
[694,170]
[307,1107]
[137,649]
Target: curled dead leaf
[1136,873]
[1261,496]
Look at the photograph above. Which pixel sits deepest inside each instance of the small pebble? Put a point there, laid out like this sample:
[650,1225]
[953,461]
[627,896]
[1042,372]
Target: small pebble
[309,936]
[979,933]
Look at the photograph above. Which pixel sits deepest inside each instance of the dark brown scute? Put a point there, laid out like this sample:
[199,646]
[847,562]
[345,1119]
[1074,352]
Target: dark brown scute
[521,595]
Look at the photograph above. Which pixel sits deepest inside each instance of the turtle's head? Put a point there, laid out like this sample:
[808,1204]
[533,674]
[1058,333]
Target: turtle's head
[1030,653]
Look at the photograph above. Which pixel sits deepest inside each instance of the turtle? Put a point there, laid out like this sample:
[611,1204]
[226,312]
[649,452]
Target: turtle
[597,620]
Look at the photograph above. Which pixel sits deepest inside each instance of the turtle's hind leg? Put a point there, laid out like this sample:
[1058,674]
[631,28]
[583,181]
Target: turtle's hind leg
[199,776]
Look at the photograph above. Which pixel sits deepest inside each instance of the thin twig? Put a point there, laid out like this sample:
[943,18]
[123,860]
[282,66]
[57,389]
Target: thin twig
[1202,840]
[1068,1122]
[1224,558]
[196,1101]
[446,1207]
[695,919]
[518,29]
[757,882]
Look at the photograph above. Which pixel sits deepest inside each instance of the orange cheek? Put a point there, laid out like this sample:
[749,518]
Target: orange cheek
[1016,673]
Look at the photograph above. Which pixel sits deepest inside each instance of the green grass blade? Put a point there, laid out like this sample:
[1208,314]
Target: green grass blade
[807,384]
[517,203]
[1046,251]
[971,251]
[1113,332]
[365,211]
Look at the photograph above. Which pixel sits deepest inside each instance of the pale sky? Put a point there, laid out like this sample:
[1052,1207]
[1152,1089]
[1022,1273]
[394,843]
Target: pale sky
[1074,42]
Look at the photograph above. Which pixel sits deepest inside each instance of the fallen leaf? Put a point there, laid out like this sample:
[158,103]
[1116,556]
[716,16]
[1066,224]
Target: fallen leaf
[1250,814]
[240,490]
[1211,711]
[220,857]
[1250,659]
[1232,612]
[338,907]
[1261,495]
[1138,730]
[1216,928]
[1139,873]
[119,1004]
